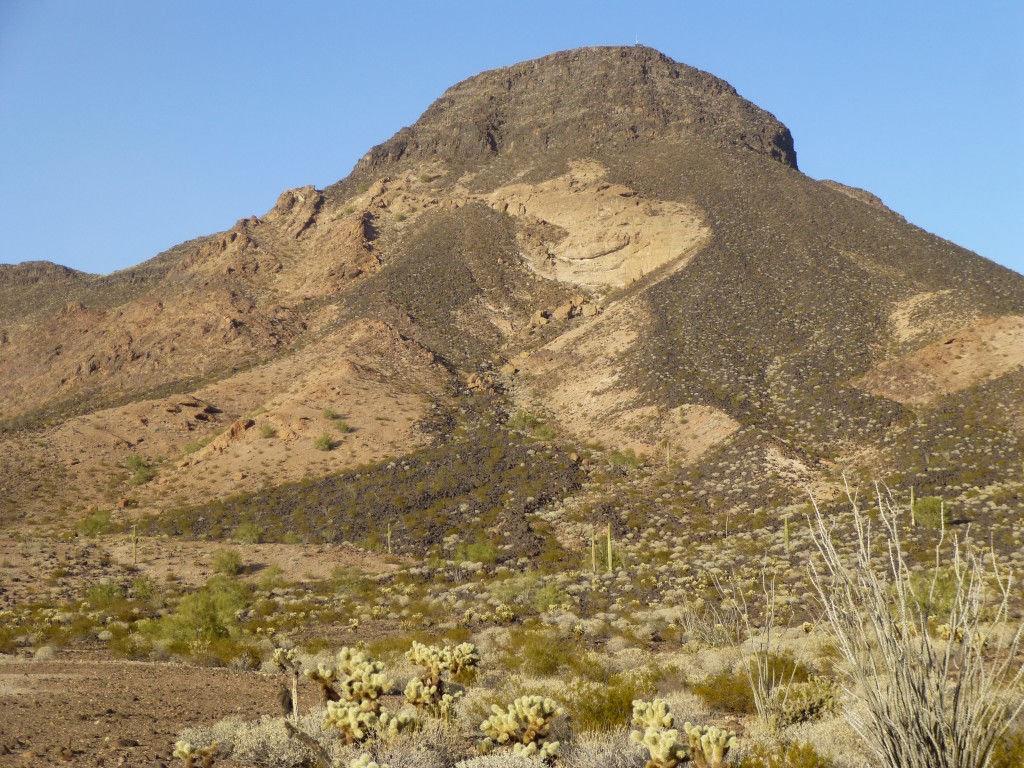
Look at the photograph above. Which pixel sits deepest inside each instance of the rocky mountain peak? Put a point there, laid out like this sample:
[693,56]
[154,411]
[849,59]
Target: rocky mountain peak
[584,98]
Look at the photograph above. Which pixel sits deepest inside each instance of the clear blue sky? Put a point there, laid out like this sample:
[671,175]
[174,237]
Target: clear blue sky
[128,127]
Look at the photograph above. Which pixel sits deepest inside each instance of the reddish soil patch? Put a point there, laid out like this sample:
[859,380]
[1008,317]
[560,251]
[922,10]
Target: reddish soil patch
[84,709]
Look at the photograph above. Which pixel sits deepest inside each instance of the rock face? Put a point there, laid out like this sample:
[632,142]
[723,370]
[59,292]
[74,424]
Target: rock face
[582,99]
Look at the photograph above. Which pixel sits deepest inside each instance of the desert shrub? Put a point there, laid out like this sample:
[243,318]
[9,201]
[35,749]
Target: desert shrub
[626,459]
[932,512]
[323,442]
[330,414]
[144,588]
[104,596]
[227,561]
[205,615]
[541,653]
[733,691]
[142,471]
[1008,751]
[95,524]
[795,754]
[270,578]
[968,685]
[248,533]
[268,431]
[523,421]
[605,705]
[478,552]
[343,426]
[727,691]
[544,432]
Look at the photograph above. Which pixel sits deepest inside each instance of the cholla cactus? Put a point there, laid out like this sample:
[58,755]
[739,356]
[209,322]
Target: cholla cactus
[389,726]
[188,754]
[709,745]
[652,715]
[525,724]
[360,679]
[665,747]
[430,692]
[446,659]
[326,677]
[503,614]
[464,657]
[428,698]
[353,723]
[365,761]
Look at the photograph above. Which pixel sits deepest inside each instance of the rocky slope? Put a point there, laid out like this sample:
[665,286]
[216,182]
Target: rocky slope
[613,243]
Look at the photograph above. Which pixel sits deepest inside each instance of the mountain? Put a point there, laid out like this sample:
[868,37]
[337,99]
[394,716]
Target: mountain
[565,268]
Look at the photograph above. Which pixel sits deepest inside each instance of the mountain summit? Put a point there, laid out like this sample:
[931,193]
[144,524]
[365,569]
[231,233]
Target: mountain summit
[580,101]
[604,250]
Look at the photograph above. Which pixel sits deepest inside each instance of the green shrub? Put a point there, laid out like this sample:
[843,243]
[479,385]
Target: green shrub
[796,754]
[95,524]
[478,552]
[626,459]
[544,654]
[731,692]
[523,421]
[248,533]
[198,445]
[104,596]
[142,471]
[144,588]
[343,426]
[268,430]
[1008,751]
[323,442]
[331,414]
[270,578]
[544,432]
[932,512]
[207,614]
[227,561]
[606,705]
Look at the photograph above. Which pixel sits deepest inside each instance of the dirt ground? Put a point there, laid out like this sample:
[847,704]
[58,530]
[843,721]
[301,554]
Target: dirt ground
[85,709]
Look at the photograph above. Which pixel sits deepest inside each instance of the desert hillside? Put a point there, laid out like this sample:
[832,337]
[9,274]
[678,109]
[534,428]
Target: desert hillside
[587,298]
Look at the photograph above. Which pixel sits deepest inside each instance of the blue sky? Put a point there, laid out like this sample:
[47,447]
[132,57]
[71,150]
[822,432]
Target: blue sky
[128,127]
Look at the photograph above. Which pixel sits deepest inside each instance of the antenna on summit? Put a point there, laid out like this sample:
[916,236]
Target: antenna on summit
[636,41]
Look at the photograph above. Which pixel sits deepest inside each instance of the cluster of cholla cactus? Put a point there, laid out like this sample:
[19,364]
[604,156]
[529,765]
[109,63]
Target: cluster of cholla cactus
[189,754]
[525,724]
[663,743]
[705,746]
[430,692]
[709,745]
[353,689]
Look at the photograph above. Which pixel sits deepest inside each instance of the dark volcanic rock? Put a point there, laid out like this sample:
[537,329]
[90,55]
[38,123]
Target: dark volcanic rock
[584,98]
